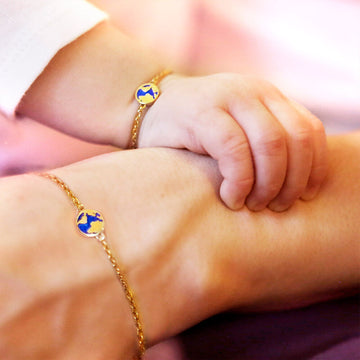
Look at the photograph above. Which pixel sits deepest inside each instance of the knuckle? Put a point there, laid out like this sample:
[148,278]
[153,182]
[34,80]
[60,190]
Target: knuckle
[319,128]
[270,191]
[267,91]
[265,193]
[235,145]
[312,123]
[245,184]
[235,162]
[263,84]
[271,145]
[304,137]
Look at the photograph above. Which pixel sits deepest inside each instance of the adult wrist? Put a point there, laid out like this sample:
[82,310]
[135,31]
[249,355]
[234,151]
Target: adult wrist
[150,238]
[56,284]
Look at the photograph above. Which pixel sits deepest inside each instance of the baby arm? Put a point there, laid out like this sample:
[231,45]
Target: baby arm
[270,151]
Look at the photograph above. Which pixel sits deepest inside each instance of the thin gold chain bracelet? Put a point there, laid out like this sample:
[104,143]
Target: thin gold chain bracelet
[146,94]
[90,223]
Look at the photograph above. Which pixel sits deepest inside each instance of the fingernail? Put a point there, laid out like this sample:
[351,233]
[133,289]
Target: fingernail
[254,205]
[310,193]
[238,205]
[278,206]
[235,204]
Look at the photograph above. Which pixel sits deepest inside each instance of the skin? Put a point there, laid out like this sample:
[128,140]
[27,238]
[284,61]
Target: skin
[54,314]
[270,150]
[186,255]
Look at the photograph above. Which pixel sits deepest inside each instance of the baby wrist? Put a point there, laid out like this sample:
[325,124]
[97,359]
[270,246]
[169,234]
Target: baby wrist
[146,94]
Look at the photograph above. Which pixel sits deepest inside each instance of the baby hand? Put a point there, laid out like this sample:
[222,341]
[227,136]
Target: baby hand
[270,150]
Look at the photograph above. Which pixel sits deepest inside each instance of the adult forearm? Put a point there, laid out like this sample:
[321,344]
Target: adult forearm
[312,252]
[187,256]
[186,238]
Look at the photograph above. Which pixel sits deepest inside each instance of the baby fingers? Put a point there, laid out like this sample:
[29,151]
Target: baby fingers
[267,139]
[224,140]
[268,155]
[306,153]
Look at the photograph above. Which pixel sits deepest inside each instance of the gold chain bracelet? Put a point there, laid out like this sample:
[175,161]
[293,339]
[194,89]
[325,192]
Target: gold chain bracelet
[146,94]
[91,224]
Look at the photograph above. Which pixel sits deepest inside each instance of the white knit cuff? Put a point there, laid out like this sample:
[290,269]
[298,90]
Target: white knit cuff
[31,33]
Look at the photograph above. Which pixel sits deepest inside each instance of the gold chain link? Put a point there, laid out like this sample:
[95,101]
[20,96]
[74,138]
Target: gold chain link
[136,126]
[114,263]
[69,193]
[139,113]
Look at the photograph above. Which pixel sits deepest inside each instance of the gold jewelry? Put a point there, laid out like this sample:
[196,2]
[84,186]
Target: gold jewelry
[146,94]
[90,223]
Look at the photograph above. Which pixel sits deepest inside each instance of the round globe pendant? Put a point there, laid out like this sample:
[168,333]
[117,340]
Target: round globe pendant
[90,222]
[147,93]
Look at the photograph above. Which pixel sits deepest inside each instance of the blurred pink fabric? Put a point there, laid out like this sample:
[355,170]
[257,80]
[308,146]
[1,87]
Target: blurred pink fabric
[309,49]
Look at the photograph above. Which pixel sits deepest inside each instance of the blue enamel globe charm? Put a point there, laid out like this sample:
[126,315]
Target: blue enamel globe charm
[147,93]
[90,222]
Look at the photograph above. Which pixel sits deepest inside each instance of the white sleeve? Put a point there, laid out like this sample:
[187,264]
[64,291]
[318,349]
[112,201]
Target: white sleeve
[31,33]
